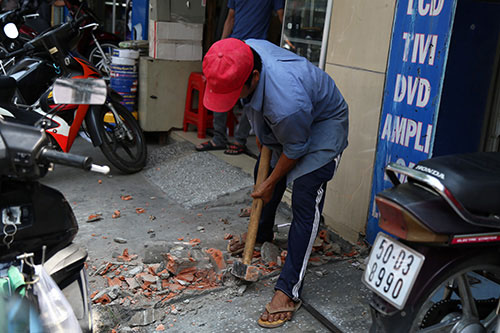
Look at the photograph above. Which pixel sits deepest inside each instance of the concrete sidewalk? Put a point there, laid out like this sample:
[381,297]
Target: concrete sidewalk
[188,194]
[335,290]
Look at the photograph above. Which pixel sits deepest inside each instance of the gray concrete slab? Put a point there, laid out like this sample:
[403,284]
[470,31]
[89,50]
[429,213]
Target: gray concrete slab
[193,178]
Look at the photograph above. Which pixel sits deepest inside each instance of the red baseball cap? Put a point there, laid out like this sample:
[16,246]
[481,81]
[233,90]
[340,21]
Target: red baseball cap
[227,65]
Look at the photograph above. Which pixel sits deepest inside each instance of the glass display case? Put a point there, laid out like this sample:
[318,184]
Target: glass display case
[304,26]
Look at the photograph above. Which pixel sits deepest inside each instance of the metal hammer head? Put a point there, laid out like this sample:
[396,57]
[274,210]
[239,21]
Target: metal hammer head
[245,272]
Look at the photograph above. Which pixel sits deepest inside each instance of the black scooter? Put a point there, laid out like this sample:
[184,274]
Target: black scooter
[440,269]
[38,224]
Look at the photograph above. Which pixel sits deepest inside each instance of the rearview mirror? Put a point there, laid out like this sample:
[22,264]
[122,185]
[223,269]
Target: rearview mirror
[80,91]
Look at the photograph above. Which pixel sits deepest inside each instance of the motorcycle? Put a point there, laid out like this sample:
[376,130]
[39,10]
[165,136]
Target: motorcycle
[38,224]
[439,269]
[12,38]
[95,44]
[110,126]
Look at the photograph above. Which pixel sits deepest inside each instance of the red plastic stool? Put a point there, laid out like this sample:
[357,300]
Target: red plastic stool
[199,116]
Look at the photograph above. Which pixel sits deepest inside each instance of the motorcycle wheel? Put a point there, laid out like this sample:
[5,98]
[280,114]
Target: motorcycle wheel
[463,299]
[128,155]
[96,58]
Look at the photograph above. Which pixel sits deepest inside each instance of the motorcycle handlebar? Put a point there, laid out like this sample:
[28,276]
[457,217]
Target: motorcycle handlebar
[73,160]
[27,47]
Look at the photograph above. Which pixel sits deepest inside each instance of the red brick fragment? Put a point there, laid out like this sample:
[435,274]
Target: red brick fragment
[152,270]
[113,282]
[194,241]
[351,254]
[106,269]
[103,300]
[217,257]
[125,256]
[323,234]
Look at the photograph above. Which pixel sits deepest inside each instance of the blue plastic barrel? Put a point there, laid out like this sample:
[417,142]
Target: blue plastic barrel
[123,80]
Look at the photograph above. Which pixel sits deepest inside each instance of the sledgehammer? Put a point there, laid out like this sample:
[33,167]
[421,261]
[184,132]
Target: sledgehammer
[243,269]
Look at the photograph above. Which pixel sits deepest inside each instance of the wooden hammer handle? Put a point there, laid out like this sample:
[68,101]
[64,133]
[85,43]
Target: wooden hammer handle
[257,204]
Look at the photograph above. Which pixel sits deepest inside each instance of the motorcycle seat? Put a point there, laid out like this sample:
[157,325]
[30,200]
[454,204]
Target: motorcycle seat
[7,88]
[473,179]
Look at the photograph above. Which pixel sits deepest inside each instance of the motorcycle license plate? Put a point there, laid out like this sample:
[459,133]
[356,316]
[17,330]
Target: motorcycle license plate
[392,270]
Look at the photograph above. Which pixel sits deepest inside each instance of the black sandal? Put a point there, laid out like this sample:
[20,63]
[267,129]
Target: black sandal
[208,145]
[235,149]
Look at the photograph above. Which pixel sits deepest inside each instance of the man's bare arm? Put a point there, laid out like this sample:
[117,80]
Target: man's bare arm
[228,24]
[280,15]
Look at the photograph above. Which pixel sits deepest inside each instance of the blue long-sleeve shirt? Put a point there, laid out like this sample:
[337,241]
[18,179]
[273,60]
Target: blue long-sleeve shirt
[297,109]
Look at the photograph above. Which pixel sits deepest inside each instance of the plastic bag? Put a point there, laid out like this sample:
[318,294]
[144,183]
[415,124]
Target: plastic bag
[56,313]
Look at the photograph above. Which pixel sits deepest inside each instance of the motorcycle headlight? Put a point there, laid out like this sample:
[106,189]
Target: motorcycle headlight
[10,30]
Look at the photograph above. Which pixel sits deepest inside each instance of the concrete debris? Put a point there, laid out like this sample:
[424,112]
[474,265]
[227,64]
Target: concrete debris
[270,253]
[132,272]
[154,251]
[336,249]
[132,283]
[241,290]
[120,240]
[107,295]
[146,317]
[160,281]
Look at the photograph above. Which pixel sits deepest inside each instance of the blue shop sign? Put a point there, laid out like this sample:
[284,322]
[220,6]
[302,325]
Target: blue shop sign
[417,61]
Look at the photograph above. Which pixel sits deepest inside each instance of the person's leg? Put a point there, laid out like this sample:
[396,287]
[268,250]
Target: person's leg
[219,139]
[307,204]
[240,137]
[243,129]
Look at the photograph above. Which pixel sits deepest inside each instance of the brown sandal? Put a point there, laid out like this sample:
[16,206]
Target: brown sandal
[279,322]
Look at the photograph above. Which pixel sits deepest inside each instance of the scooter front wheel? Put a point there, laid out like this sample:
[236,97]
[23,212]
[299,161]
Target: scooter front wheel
[123,142]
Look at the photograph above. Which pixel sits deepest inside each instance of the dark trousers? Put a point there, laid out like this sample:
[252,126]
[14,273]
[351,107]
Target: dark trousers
[308,197]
